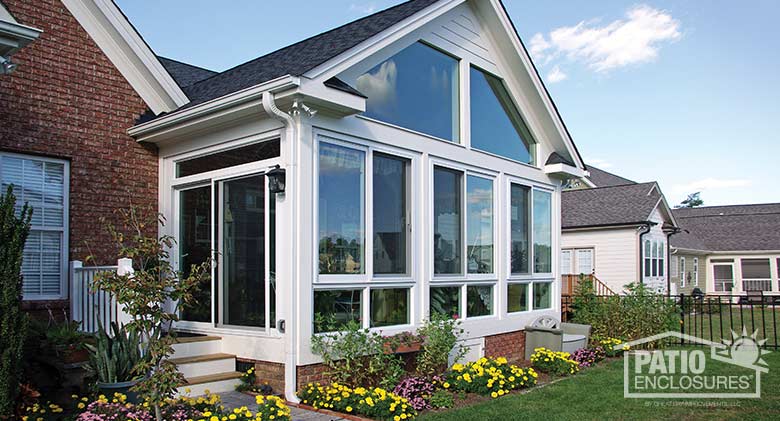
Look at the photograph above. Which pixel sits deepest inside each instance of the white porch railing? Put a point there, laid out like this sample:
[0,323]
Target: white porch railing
[756,285]
[93,308]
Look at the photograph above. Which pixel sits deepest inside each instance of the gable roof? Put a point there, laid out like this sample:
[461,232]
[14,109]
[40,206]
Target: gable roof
[729,228]
[609,206]
[183,73]
[298,58]
[601,178]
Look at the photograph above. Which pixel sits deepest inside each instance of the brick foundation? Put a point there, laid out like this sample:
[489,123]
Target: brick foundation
[270,373]
[311,373]
[510,345]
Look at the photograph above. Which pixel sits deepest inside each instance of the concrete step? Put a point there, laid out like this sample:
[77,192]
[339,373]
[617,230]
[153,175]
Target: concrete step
[214,383]
[202,365]
[193,346]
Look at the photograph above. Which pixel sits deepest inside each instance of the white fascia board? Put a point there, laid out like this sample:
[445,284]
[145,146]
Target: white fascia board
[564,170]
[163,127]
[505,25]
[120,42]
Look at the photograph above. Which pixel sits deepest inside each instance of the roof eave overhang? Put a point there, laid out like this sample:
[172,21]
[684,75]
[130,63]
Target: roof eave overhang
[14,36]
[564,171]
[618,225]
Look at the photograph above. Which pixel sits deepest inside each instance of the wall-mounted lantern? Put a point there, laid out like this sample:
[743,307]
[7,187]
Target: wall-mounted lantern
[276,180]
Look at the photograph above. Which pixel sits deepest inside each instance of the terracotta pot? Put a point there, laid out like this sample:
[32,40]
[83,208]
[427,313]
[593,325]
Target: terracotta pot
[403,348]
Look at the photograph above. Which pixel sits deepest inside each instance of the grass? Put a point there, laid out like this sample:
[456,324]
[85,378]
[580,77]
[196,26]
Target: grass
[763,319]
[597,394]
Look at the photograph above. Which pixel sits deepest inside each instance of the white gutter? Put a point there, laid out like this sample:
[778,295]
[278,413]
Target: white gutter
[209,107]
[291,133]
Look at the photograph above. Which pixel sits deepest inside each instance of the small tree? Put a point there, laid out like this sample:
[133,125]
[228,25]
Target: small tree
[693,200]
[13,322]
[152,296]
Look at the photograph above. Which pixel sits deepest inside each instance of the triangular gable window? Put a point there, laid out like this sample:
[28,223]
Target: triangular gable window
[496,125]
[417,88]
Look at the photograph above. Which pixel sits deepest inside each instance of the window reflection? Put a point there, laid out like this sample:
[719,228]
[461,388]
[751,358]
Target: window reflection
[335,308]
[447,221]
[390,214]
[542,232]
[195,247]
[479,300]
[417,89]
[445,300]
[519,207]
[517,297]
[341,209]
[389,307]
[542,295]
[480,225]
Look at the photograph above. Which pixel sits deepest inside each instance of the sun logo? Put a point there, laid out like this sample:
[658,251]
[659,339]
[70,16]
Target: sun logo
[743,350]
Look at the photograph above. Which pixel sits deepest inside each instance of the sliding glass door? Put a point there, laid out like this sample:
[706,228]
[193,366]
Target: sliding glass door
[195,246]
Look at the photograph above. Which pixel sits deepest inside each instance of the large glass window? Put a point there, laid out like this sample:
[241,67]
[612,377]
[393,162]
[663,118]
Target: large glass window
[417,88]
[542,232]
[445,300]
[479,196]
[341,210]
[447,221]
[519,254]
[756,275]
[479,300]
[389,307]
[517,297]
[229,158]
[195,246]
[542,295]
[391,214]
[496,125]
[41,184]
[334,308]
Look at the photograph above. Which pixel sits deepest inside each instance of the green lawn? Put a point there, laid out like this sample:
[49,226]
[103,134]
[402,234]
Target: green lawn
[765,320]
[597,394]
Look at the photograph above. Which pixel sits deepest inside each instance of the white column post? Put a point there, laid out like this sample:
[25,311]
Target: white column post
[123,267]
[76,291]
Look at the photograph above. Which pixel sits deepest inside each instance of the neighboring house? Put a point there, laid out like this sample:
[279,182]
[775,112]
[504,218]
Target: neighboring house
[617,230]
[727,249]
[406,163]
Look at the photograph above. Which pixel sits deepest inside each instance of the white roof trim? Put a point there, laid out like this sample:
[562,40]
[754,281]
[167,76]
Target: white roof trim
[120,42]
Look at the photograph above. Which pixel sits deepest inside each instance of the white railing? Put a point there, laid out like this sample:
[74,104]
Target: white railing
[93,308]
[756,285]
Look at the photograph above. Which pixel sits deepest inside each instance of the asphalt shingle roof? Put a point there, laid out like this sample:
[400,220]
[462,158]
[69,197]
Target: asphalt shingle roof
[303,56]
[185,74]
[604,206]
[729,228]
[603,178]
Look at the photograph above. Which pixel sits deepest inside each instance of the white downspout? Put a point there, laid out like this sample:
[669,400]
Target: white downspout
[291,133]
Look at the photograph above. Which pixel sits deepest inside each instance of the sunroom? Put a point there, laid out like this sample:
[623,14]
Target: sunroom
[416,177]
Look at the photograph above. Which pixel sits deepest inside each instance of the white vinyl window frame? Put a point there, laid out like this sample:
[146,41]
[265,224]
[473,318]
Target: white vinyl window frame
[695,271]
[682,272]
[64,230]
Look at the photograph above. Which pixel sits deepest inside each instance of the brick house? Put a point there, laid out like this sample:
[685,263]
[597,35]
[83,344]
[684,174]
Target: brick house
[265,168]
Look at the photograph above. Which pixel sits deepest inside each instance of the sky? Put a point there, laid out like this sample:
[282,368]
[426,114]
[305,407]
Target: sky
[681,92]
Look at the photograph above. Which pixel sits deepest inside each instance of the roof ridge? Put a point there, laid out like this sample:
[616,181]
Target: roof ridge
[728,215]
[610,187]
[298,42]
[732,206]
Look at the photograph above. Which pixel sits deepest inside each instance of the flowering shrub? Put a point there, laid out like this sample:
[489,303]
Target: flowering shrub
[587,357]
[554,362]
[376,403]
[608,344]
[418,390]
[38,412]
[268,408]
[489,376]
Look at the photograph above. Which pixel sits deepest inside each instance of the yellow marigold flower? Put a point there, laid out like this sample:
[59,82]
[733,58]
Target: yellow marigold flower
[349,409]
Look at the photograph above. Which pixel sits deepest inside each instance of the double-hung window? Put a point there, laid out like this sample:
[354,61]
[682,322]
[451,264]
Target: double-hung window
[364,237]
[682,272]
[42,183]
[530,284]
[463,243]
[696,271]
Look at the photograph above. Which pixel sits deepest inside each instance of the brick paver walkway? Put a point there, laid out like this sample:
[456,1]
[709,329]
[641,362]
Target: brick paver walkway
[237,399]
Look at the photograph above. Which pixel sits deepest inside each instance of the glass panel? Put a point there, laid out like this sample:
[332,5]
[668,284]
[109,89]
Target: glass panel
[479,300]
[542,232]
[517,297]
[389,307]
[585,261]
[566,262]
[334,308]
[243,155]
[243,251]
[724,277]
[445,300]
[447,221]
[195,247]
[542,295]
[496,125]
[417,89]
[520,200]
[755,269]
[390,214]
[479,212]
[341,209]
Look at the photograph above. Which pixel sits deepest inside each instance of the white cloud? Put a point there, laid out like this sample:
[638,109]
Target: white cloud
[556,75]
[364,8]
[709,184]
[380,85]
[599,163]
[635,39]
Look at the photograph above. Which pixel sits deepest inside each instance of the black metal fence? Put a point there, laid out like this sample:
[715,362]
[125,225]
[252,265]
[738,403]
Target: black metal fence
[715,317]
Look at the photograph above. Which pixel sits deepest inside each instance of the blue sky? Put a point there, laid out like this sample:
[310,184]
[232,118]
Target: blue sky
[683,92]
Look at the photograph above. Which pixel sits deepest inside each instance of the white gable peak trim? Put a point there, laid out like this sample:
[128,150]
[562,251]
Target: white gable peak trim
[120,42]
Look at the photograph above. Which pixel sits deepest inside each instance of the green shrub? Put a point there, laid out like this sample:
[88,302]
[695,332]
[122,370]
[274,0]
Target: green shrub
[637,314]
[13,322]
[442,399]
[113,358]
[440,335]
[356,357]
[554,363]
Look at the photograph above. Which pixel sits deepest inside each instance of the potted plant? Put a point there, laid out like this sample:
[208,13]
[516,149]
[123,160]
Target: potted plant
[402,343]
[113,359]
[68,342]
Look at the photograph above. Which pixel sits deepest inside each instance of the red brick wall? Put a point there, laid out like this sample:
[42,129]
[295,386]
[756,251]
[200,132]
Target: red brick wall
[312,373]
[510,345]
[270,373]
[67,100]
